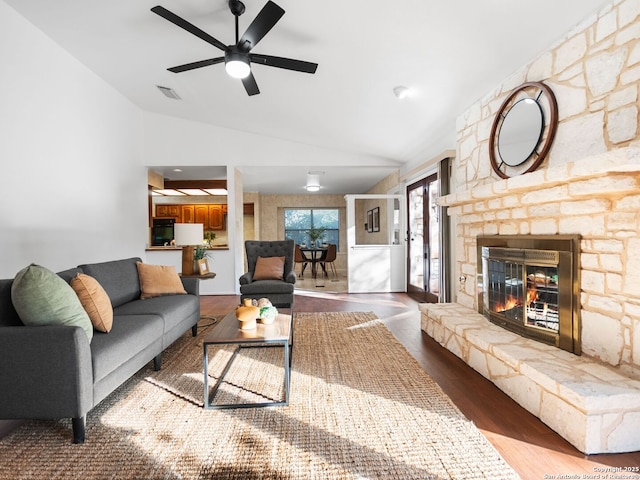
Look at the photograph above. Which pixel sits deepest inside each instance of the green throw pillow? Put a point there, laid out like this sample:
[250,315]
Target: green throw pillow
[43,298]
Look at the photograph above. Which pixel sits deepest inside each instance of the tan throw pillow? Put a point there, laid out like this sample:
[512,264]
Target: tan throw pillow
[269,268]
[156,280]
[95,301]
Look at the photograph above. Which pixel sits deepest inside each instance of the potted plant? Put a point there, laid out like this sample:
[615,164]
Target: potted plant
[209,237]
[315,234]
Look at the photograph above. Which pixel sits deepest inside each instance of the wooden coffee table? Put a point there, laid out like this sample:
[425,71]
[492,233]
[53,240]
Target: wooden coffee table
[227,332]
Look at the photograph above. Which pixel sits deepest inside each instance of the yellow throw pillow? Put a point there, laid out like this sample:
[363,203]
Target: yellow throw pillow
[157,280]
[95,301]
[269,268]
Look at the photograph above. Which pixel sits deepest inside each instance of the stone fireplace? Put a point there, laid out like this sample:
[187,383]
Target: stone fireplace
[530,286]
[588,186]
[591,399]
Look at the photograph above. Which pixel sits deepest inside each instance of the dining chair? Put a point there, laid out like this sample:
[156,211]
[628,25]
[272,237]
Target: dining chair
[330,259]
[300,257]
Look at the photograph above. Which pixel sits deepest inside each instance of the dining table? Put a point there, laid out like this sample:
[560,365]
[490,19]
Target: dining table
[316,255]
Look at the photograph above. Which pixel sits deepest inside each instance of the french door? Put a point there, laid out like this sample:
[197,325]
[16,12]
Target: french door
[423,259]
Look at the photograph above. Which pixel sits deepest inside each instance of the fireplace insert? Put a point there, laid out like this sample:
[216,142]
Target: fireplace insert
[529,284]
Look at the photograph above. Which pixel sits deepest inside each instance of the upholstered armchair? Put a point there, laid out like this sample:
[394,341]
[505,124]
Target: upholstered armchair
[270,272]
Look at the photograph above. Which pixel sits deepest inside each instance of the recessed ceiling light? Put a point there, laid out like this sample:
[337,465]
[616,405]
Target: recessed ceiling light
[216,191]
[177,170]
[192,191]
[169,191]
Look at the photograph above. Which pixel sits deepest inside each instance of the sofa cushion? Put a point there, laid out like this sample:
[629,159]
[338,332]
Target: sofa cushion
[266,287]
[157,280]
[8,315]
[70,274]
[269,268]
[172,308]
[129,336]
[94,300]
[43,298]
[119,278]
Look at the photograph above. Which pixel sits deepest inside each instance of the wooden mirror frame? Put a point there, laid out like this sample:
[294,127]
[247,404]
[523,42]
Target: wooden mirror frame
[549,128]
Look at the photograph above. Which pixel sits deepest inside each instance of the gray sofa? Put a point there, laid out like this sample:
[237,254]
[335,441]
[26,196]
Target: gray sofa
[55,372]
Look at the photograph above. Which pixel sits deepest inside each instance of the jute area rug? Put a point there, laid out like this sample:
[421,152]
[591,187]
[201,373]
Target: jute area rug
[361,408]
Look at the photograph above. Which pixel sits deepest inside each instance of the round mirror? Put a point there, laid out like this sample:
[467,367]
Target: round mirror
[520,132]
[521,136]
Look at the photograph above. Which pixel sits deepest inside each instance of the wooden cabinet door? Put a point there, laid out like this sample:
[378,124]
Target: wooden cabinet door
[162,211]
[201,215]
[172,211]
[216,217]
[168,210]
[188,214]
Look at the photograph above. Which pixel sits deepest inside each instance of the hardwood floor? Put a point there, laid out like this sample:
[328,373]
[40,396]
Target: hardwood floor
[529,446]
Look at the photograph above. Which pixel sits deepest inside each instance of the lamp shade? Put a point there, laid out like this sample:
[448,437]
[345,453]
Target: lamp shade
[188,233]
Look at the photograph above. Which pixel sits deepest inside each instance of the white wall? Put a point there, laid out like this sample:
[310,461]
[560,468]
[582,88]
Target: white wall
[72,184]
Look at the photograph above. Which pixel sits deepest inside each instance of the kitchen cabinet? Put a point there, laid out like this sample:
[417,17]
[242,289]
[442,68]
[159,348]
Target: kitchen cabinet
[201,215]
[212,217]
[188,214]
[216,217]
[173,211]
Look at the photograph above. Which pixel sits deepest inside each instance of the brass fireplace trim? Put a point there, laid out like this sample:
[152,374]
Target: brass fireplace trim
[568,246]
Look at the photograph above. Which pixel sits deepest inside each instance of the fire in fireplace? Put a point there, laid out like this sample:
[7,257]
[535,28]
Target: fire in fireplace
[529,285]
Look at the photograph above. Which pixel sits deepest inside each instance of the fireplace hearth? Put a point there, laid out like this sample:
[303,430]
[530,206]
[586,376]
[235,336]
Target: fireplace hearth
[529,284]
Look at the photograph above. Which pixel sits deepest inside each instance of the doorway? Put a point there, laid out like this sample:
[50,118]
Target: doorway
[423,242]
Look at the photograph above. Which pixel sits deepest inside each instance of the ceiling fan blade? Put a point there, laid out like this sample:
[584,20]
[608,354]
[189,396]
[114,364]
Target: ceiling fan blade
[266,19]
[194,65]
[286,63]
[189,27]
[250,85]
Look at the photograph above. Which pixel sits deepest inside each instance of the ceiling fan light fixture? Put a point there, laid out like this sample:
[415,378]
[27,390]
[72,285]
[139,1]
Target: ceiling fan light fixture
[237,65]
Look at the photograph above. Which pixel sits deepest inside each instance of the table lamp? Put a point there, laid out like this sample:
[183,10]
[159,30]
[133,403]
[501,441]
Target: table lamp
[187,236]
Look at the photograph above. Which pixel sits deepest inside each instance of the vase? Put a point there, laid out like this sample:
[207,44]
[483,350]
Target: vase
[247,315]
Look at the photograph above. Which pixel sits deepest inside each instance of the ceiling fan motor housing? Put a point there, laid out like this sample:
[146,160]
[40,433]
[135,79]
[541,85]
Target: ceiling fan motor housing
[236,7]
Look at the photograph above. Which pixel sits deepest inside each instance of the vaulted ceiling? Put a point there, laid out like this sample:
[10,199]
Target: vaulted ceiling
[449,53]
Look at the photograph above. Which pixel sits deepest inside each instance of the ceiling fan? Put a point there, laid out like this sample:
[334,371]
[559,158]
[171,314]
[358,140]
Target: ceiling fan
[238,58]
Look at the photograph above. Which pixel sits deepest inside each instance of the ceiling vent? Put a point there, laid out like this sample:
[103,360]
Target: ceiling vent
[169,92]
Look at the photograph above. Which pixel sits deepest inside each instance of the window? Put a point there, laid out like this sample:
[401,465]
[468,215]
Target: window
[298,221]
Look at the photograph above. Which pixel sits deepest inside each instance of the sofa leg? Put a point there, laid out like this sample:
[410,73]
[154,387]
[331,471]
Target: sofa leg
[157,362]
[78,424]
[194,330]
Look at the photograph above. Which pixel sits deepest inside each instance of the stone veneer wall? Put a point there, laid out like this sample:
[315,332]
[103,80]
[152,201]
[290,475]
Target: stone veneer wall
[581,188]
[594,73]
